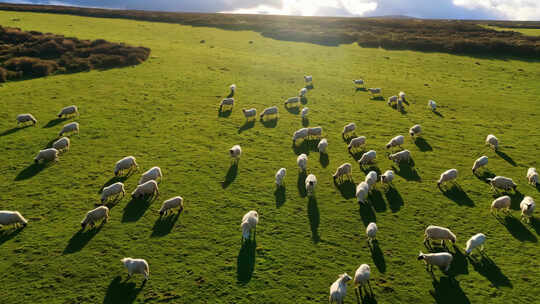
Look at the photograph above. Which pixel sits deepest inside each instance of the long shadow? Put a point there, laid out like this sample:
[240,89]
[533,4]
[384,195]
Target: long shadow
[484,175]
[407,172]
[270,123]
[314,218]
[136,208]
[324,160]
[231,94]
[165,224]
[377,256]
[360,89]
[280,196]
[457,195]
[459,263]
[13,130]
[305,122]
[230,176]
[306,146]
[120,292]
[516,198]
[371,167]
[438,114]
[422,144]
[310,87]
[31,171]
[367,214]
[395,201]
[301,184]
[8,234]
[245,263]
[356,155]
[377,200]
[81,238]
[487,268]
[54,122]
[293,110]
[246,126]
[347,189]
[537,186]
[448,291]
[535,224]
[506,157]
[114,179]
[518,230]
[225,113]
[303,100]
[377,98]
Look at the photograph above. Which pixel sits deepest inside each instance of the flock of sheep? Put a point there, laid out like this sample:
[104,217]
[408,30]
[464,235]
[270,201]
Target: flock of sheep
[148,186]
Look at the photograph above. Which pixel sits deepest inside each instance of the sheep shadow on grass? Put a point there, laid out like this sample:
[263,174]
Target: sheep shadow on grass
[314,218]
[305,122]
[347,189]
[516,198]
[246,126]
[224,114]
[456,194]
[8,234]
[293,110]
[245,263]
[303,100]
[120,292]
[81,238]
[305,147]
[367,214]
[378,98]
[459,264]
[518,230]
[395,201]
[165,224]
[487,268]
[310,87]
[301,183]
[360,90]
[31,171]
[438,113]
[535,224]
[422,144]
[377,200]
[280,196]
[378,256]
[136,208]
[407,172]
[506,157]
[324,160]
[270,123]
[13,130]
[55,122]
[230,176]
[483,175]
[447,291]
[371,167]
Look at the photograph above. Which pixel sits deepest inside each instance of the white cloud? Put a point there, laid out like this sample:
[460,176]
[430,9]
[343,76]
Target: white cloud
[511,9]
[312,8]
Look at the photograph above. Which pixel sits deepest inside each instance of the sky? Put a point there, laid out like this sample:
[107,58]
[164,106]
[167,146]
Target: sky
[441,9]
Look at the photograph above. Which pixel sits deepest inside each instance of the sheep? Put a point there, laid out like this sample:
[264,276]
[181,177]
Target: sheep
[304,112]
[395,142]
[112,190]
[400,157]
[68,111]
[402,96]
[226,102]
[349,128]
[249,222]
[315,132]
[292,101]
[271,111]
[250,113]
[22,118]
[139,266]
[47,155]
[356,143]
[501,182]
[308,79]
[70,127]
[126,163]
[61,144]
[302,93]
[323,144]
[387,177]
[367,157]
[532,176]
[338,289]
[343,170]
[441,259]
[371,231]
[475,241]
[527,206]
[362,191]
[375,91]
[480,162]
[8,218]
[359,82]
[152,174]
[371,179]
[235,152]
[446,176]
[501,203]
[232,87]
[150,187]
[432,105]
[311,183]
[170,204]
[392,99]
[92,216]
[492,141]
[415,130]
[438,233]
[300,134]
[301,160]
[280,175]
[361,278]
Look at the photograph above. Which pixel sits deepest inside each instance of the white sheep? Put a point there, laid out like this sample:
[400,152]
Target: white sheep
[375,91]
[292,101]
[311,184]
[438,233]
[47,155]
[527,206]
[359,82]
[367,157]
[137,266]
[501,203]
[70,127]
[92,216]
[112,190]
[304,112]
[415,130]
[280,175]
[315,132]
[249,222]
[356,143]
[8,218]
[387,177]
[232,87]
[432,105]
[152,174]
[392,99]
[402,96]
[174,202]
[126,163]
[302,92]
[343,170]
[441,259]
[480,162]
[474,242]
[22,118]
[69,110]
[371,179]
[61,144]
[235,152]
[271,111]
[349,128]
[371,231]
[395,142]
[501,182]
[492,141]
[400,157]
[225,103]
[361,278]
[250,113]
[301,160]
[362,191]
[308,79]
[532,176]
[323,144]
[148,188]
[300,134]
[338,289]
[448,175]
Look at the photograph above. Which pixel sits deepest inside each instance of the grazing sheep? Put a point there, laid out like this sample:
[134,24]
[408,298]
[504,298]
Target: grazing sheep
[402,96]
[308,79]
[70,127]
[349,128]
[69,110]
[112,190]
[61,144]
[371,231]
[375,91]
[356,143]
[269,112]
[304,112]
[475,241]
[311,183]
[501,182]
[302,93]
[343,170]
[367,157]
[501,203]
[8,218]
[148,188]
[492,141]
[152,174]
[250,113]
[361,278]
[47,155]
[226,102]
[280,175]
[532,176]
[446,176]
[480,162]
[22,118]
[170,204]
[92,216]
[300,134]
[323,144]
[359,82]
[362,191]
[432,105]
[527,206]
[400,157]
[415,130]
[301,160]
[293,102]
[387,177]
[315,132]
[392,100]
[249,222]
[437,233]
[235,152]
[441,259]
[371,179]
[139,266]
[395,142]
[338,289]
[126,163]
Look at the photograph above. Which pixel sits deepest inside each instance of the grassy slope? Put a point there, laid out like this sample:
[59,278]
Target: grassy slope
[165,113]
[524,31]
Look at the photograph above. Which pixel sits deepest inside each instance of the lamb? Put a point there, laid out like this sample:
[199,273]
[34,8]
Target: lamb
[323,144]
[70,127]
[375,91]
[387,177]
[269,112]
[501,203]
[112,190]
[392,99]
[47,155]
[475,241]
[300,134]
[395,142]
[302,93]
[400,157]
[371,231]
[446,176]
[304,112]
[280,175]
[226,102]
[315,132]
[235,152]
[356,143]
[402,96]
[371,179]
[69,110]
[338,289]
[148,188]
[415,130]
[343,170]
[308,79]
[492,141]
[532,176]
[139,266]
[250,113]
[152,174]
[480,162]
[170,204]
[349,128]
[8,218]
[432,105]
[367,157]
[501,182]
[301,160]
[126,163]
[23,118]
[249,222]
[527,206]
[362,191]
[292,101]
[438,233]
[441,259]
[61,144]
[311,183]
[361,278]
[92,216]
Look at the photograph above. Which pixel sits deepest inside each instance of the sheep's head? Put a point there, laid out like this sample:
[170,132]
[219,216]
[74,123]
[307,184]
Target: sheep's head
[345,277]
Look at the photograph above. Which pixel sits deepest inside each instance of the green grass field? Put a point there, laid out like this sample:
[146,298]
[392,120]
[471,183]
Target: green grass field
[524,31]
[165,113]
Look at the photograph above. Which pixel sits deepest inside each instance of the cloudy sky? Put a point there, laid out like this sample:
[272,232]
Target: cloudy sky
[451,9]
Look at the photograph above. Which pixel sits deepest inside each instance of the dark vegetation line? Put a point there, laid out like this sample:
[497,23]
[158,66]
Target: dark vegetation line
[514,24]
[450,36]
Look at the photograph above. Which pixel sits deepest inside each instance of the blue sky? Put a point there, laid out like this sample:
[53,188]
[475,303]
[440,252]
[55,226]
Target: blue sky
[451,9]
